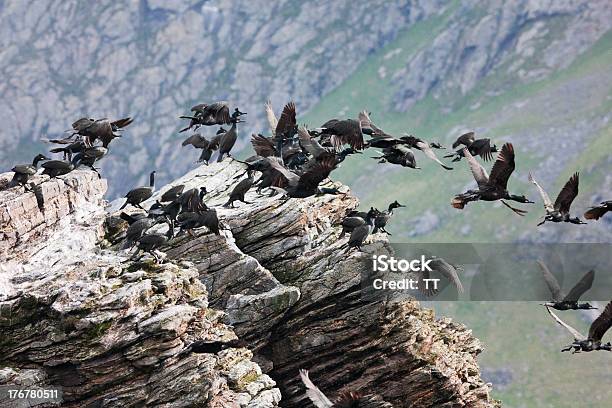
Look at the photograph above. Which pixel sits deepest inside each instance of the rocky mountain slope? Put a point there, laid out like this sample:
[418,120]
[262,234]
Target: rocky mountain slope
[274,292]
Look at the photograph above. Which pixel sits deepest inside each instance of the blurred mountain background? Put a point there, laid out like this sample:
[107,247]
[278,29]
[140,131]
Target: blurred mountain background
[532,72]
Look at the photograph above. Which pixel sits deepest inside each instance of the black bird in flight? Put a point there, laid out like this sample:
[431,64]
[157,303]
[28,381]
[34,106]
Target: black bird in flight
[560,211]
[595,213]
[493,187]
[592,341]
[477,147]
[560,301]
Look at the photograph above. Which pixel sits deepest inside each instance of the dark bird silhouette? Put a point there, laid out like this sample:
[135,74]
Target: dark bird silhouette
[560,211]
[286,127]
[55,168]
[228,139]
[320,153]
[208,115]
[306,183]
[88,156]
[192,200]
[193,220]
[493,187]
[136,228]
[560,301]
[101,129]
[207,146]
[23,172]
[593,341]
[241,189]
[347,399]
[140,194]
[381,220]
[595,213]
[151,242]
[425,147]
[443,268]
[345,131]
[477,147]
[360,233]
[400,154]
[172,193]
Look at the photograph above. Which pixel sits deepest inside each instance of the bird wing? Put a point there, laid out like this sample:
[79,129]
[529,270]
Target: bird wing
[263,146]
[482,148]
[121,123]
[291,177]
[577,335]
[317,172]
[548,206]
[199,107]
[287,120]
[443,268]
[503,167]
[366,123]
[465,139]
[309,144]
[196,140]
[346,132]
[314,393]
[221,112]
[567,195]
[428,151]
[551,282]
[479,172]
[272,121]
[595,213]
[582,286]
[600,326]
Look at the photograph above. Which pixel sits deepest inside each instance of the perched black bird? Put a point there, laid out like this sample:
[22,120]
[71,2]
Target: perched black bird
[23,172]
[353,220]
[347,399]
[151,242]
[89,156]
[493,187]
[193,220]
[55,168]
[592,341]
[208,115]
[140,194]
[192,200]
[560,301]
[228,139]
[136,229]
[241,189]
[560,211]
[477,147]
[361,232]
[381,220]
[595,213]
[172,193]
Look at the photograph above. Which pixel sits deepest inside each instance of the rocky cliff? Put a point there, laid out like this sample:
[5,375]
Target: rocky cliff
[226,321]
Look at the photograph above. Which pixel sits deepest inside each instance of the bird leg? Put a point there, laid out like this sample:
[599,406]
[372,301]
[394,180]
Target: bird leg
[542,222]
[516,210]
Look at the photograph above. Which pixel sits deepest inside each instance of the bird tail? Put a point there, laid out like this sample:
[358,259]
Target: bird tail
[459,202]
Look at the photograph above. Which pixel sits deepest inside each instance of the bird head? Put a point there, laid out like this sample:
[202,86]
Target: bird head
[521,199]
[395,204]
[40,157]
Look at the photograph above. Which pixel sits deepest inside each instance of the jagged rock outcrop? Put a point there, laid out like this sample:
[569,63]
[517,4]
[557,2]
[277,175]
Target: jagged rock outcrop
[277,277]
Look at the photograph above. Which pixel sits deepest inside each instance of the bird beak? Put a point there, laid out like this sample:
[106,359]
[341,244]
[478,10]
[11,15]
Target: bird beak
[402,205]
[530,202]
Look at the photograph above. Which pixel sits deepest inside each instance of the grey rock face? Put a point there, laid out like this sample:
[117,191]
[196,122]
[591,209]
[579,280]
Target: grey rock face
[277,279]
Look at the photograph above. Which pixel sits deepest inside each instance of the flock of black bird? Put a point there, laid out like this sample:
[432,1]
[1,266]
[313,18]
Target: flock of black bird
[295,161]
